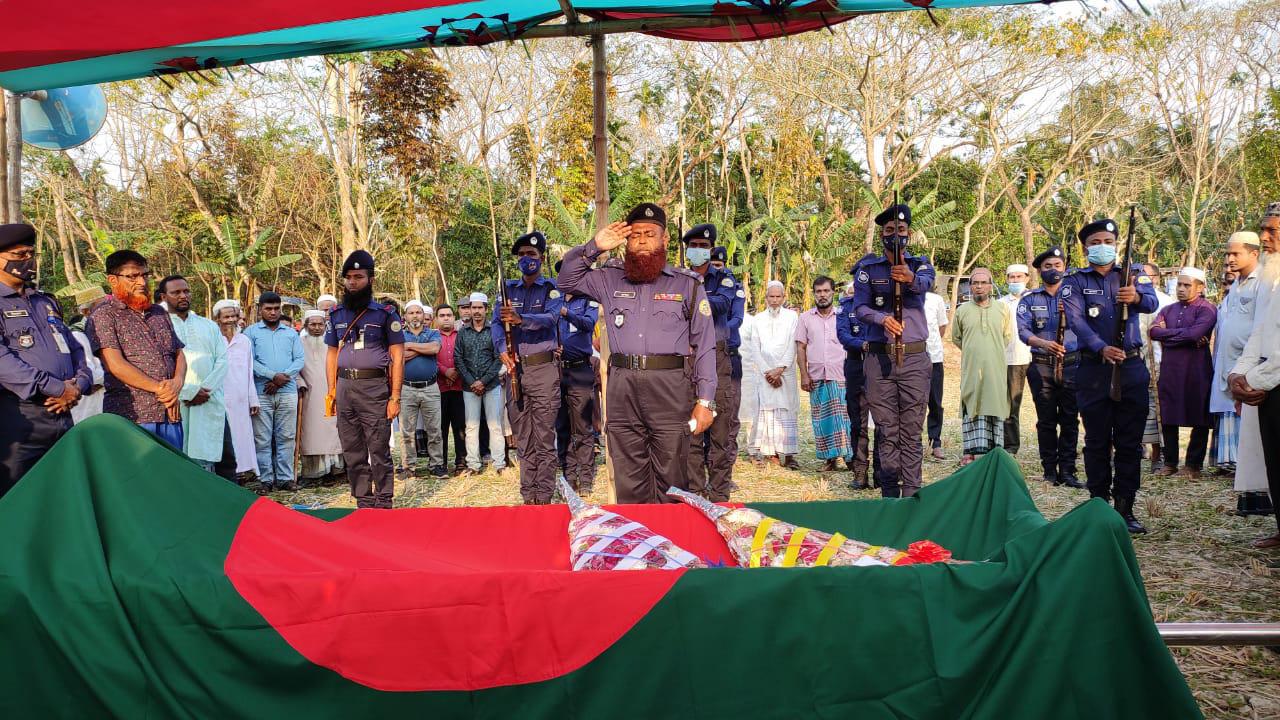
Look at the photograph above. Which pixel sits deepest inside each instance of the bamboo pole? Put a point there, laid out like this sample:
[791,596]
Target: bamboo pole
[13,152]
[600,149]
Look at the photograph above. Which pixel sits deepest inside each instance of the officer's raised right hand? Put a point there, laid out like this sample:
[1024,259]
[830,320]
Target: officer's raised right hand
[612,236]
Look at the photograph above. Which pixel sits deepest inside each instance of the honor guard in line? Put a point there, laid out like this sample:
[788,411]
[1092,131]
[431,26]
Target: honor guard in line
[852,334]
[660,331]
[578,402]
[710,473]
[533,316]
[898,393]
[365,373]
[733,342]
[43,371]
[1093,297]
[1054,355]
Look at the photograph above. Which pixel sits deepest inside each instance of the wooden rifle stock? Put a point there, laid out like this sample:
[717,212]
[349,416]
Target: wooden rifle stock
[1062,340]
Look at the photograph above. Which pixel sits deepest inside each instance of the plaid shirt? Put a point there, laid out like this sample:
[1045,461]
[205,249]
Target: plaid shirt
[147,341]
[475,356]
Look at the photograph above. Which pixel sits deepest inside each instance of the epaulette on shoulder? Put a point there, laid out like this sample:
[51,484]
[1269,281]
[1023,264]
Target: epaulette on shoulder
[686,272]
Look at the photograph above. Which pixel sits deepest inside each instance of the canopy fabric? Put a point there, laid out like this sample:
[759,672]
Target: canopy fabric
[134,583]
[88,41]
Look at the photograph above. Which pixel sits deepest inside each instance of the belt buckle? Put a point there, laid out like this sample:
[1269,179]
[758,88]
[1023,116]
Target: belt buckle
[636,362]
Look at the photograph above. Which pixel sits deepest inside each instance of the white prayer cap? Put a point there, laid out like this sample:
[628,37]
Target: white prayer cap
[328,297]
[221,305]
[1245,237]
[1018,268]
[426,309]
[415,303]
[478,297]
[1193,273]
[314,314]
[775,283]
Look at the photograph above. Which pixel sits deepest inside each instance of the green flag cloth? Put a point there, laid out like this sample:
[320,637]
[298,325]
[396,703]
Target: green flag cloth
[134,584]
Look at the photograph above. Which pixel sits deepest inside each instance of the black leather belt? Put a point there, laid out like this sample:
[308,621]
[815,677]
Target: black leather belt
[647,362]
[362,373]
[541,358]
[1090,355]
[887,348]
[570,364]
[1069,359]
[419,384]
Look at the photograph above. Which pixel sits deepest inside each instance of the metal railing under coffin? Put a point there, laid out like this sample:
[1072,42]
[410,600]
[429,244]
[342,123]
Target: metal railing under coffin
[1222,634]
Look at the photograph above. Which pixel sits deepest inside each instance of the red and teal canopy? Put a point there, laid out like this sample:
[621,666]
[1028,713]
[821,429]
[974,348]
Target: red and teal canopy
[133,583]
[78,42]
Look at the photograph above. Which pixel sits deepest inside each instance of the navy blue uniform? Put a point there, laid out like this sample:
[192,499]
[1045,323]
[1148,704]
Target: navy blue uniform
[576,420]
[1109,426]
[898,393]
[852,334]
[1057,418]
[37,354]
[364,339]
[710,464]
[533,417]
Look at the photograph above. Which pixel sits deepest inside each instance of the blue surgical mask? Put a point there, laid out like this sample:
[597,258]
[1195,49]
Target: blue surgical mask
[1102,254]
[530,265]
[1051,277]
[1016,288]
[698,256]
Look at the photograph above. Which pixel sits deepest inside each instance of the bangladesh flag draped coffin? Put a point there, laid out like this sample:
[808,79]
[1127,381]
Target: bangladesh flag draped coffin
[134,584]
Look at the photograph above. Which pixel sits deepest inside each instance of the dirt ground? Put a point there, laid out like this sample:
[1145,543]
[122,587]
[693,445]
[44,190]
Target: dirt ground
[1196,560]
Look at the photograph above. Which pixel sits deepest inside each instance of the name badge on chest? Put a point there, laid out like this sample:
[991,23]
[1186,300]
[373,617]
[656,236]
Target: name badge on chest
[16,313]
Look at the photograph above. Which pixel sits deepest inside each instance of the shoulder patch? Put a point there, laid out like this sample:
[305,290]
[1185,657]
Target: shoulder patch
[704,307]
[1144,279]
[727,282]
[1022,309]
[593,304]
[741,294]
[396,326]
[863,276]
[1066,291]
[553,294]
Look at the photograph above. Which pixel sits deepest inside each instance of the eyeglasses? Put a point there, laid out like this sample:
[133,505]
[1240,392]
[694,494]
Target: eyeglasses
[134,277]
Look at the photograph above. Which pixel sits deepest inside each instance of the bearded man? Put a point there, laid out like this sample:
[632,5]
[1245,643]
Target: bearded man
[662,370]
[321,450]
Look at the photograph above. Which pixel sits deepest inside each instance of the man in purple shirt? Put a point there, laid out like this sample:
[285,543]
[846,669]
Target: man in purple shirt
[141,355]
[1186,371]
[660,333]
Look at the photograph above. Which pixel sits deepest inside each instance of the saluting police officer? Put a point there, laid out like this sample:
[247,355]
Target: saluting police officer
[533,314]
[852,335]
[366,372]
[43,371]
[658,319]
[710,473]
[897,393]
[1057,421]
[1093,297]
[578,388]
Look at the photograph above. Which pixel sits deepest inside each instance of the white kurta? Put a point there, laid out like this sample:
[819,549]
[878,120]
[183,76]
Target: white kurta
[239,394]
[89,405]
[773,343]
[204,425]
[1251,466]
[748,402]
[1144,325]
[1235,324]
[319,433]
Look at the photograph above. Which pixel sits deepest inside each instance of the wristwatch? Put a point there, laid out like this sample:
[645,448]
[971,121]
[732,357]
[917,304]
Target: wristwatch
[708,404]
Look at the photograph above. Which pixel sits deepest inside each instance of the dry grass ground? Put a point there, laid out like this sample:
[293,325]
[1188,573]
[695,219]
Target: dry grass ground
[1196,560]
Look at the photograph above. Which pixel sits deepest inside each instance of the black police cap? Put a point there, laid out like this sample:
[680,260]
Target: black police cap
[1097,226]
[647,212]
[705,231]
[894,212]
[535,240]
[719,254]
[16,234]
[358,260]
[1053,252]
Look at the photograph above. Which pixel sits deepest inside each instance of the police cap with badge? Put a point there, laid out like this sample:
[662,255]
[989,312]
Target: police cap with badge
[892,213]
[647,213]
[720,254]
[1053,252]
[15,234]
[1097,226]
[358,260]
[705,231]
[535,240]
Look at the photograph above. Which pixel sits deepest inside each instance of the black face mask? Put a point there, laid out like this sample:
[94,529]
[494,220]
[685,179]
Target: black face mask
[359,299]
[892,243]
[1051,277]
[24,270]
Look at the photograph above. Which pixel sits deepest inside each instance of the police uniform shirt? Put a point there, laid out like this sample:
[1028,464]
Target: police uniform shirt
[873,297]
[1038,316]
[538,305]
[722,292]
[576,327]
[849,329]
[37,350]
[1090,299]
[737,313]
[368,338]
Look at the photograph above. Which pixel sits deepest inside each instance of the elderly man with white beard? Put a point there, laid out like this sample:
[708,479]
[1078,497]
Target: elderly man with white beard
[319,446]
[775,431]
[1256,375]
[1235,323]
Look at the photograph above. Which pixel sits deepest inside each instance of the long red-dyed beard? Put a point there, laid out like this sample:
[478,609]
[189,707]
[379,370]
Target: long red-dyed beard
[643,267]
[136,301]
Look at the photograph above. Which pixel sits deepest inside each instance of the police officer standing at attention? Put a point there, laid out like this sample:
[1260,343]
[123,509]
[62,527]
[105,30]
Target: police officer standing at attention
[898,393]
[852,334]
[1041,322]
[365,373]
[533,315]
[711,473]
[43,371]
[578,317]
[1093,297]
[658,319]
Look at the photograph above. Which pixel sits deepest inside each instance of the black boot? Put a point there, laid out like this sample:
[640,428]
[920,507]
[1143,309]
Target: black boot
[1124,506]
[1068,477]
[1051,477]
